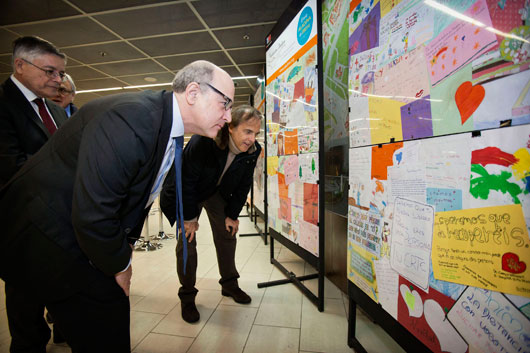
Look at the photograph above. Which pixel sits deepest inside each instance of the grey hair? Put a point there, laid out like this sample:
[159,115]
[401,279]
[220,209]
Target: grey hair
[70,79]
[30,47]
[240,115]
[197,71]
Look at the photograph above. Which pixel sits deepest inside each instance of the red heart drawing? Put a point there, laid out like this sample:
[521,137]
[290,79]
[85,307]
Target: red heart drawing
[511,263]
[468,98]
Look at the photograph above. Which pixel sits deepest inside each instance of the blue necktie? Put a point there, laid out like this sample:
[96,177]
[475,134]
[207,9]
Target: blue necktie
[180,213]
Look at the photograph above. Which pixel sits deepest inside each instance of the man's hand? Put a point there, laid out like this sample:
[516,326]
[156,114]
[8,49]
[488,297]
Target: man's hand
[231,226]
[190,227]
[124,279]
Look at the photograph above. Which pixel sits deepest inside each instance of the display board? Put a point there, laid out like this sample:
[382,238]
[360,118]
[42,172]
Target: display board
[292,131]
[439,204]
[292,143]
[259,172]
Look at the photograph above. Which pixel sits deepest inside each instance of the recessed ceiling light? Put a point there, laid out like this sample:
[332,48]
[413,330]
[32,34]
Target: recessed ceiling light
[103,53]
[150,79]
[246,37]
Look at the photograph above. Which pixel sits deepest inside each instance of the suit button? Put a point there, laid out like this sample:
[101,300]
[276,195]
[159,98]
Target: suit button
[127,230]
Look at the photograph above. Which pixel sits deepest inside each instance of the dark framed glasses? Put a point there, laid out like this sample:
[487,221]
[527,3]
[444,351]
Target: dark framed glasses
[228,102]
[49,72]
[63,91]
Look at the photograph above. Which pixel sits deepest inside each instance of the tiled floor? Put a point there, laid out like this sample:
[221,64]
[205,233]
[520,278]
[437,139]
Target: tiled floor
[279,319]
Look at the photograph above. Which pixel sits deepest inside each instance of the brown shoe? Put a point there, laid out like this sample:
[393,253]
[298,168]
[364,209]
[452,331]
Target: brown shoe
[238,295]
[189,312]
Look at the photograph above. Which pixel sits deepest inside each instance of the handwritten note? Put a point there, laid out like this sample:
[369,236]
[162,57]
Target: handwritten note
[410,249]
[408,25]
[385,120]
[387,286]
[361,270]
[308,237]
[360,171]
[364,229]
[359,122]
[483,247]
[444,199]
[290,169]
[489,322]
[408,181]
[405,78]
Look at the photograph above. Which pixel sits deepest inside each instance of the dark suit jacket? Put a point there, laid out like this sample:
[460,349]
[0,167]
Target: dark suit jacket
[85,191]
[203,163]
[22,132]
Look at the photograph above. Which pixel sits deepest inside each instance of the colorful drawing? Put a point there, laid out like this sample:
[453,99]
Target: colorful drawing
[468,99]
[366,36]
[459,43]
[416,120]
[423,314]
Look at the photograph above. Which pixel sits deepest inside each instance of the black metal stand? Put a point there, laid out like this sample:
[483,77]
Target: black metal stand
[381,317]
[250,214]
[161,234]
[314,261]
[147,243]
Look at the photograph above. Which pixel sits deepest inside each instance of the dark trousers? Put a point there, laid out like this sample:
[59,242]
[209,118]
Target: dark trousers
[225,246]
[87,306]
[95,319]
[25,316]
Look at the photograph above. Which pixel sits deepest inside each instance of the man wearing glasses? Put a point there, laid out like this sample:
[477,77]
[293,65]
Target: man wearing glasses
[27,121]
[70,216]
[65,96]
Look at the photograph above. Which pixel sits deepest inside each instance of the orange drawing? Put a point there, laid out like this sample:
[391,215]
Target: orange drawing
[468,98]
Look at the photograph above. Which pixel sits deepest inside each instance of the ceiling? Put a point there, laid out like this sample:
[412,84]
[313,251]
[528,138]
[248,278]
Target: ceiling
[117,43]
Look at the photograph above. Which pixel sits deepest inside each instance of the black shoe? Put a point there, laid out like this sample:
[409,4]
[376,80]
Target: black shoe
[189,312]
[238,295]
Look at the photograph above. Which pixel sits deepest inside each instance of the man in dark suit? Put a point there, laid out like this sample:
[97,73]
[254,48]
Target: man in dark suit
[38,70]
[27,121]
[216,176]
[65,96]
[72,212]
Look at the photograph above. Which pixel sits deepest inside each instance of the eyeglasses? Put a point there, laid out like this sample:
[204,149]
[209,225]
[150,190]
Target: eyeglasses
[228,102]
[63,91]
[49,72]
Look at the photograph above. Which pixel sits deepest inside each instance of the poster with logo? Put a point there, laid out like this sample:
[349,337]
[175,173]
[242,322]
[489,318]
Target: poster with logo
[291,99]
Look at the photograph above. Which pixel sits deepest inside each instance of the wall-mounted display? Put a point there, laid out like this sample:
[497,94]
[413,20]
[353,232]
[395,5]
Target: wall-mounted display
[439,198]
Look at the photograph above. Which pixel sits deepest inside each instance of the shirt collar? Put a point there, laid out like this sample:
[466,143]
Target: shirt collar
[30,96]
[177,128]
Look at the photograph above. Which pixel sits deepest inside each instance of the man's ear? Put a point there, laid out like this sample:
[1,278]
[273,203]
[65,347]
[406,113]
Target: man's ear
[18,65]
[192,92]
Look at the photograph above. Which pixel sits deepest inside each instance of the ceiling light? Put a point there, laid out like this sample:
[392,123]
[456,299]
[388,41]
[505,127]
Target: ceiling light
[246,37]
[150,85]
[99,90]
[243,77]
[150,79]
